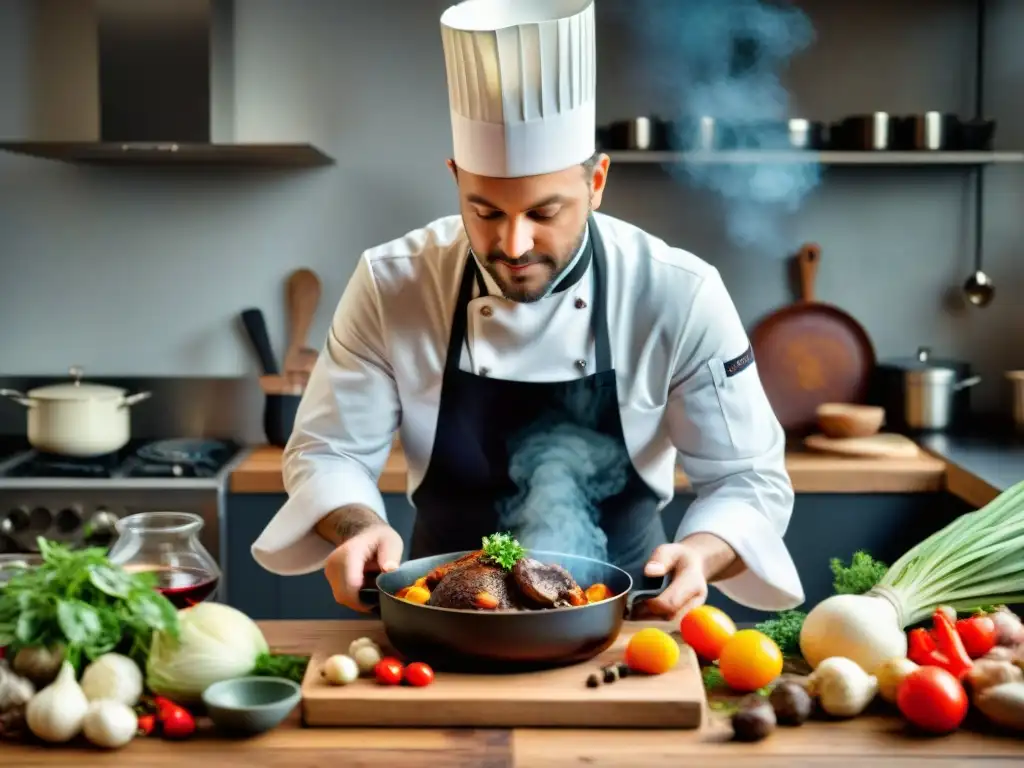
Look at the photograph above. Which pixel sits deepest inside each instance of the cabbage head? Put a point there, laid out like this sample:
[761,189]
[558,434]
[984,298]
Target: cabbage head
[216,642]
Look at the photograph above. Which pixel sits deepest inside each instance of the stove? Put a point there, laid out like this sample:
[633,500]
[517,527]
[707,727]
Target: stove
[78,501]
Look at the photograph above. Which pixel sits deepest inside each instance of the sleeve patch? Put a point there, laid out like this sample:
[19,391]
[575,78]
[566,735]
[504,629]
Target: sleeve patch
[739,364]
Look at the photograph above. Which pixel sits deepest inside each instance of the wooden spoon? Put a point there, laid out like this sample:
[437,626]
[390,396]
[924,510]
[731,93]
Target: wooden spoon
[302,297]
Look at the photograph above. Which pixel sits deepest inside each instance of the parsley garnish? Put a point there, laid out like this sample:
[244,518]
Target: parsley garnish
[79,600]
[503,550]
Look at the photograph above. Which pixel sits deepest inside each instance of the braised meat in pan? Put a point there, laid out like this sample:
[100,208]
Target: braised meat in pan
[500,577]
[547,584]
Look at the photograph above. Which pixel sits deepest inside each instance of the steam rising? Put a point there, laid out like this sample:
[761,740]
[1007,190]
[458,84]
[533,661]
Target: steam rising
[563,472]
[723,59]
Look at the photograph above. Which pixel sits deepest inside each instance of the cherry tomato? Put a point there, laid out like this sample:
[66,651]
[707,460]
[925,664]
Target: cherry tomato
[707,629]
[388,671]
[978,634]
[419,674]
[932,699]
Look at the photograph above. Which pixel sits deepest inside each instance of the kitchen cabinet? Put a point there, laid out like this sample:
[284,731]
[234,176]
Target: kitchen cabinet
[824,525]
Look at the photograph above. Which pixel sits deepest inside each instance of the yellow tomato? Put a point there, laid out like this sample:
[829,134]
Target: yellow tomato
[749,660]
[652,651]
[417,595]
[420,582]
[597,592]
[707,629]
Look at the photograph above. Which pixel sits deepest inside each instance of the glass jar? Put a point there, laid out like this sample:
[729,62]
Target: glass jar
[167,545]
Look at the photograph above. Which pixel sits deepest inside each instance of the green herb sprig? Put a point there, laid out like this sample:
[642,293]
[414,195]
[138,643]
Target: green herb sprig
[287,665]
[784,629]
[79,601]
[862,574]
[503,550]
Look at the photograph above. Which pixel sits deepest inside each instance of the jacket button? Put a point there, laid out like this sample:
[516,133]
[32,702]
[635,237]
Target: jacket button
[581,304]
[486,311]
[581,364]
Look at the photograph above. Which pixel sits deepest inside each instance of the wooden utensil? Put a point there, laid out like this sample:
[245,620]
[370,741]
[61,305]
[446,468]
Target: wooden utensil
[551,698]
[302,295]
[882,445]
[810,352]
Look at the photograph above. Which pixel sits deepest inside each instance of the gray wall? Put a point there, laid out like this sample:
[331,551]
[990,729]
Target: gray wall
[131,272]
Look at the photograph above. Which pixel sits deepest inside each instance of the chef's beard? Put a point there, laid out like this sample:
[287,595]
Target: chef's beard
[516,289]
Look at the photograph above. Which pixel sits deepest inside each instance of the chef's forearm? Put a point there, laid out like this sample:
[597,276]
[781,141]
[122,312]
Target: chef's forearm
[342,524]
[720,560]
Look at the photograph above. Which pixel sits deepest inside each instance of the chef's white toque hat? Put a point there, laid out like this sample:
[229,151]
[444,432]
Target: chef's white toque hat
[521,84]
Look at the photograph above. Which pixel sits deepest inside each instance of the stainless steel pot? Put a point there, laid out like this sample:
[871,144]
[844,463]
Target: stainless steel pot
[929,391]
[77,419]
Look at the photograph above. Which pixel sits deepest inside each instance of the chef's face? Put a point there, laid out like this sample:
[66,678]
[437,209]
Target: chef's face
[527,231]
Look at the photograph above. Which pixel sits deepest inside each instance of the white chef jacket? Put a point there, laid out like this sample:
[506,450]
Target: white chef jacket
[672,325]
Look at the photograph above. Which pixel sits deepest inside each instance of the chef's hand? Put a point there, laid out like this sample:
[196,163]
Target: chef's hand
[687,589]
[691,564]
[376,549]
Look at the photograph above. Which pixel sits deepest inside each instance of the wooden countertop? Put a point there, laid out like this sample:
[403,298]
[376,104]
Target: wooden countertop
[260,472]
[869,740]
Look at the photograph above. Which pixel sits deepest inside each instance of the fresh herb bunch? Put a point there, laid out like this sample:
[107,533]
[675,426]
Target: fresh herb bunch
[861,575]
[79,601]
[287,665]
[503,550]
[784,629]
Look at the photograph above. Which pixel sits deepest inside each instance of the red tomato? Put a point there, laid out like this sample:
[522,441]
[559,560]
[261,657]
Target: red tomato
[932,699]
[978,634]
[388,671]
[419,674]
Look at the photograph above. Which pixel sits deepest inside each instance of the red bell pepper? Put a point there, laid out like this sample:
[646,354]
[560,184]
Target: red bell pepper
[958,662]
[920,647]
[978,634]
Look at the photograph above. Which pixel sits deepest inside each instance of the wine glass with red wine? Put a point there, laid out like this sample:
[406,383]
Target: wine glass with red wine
[167,545]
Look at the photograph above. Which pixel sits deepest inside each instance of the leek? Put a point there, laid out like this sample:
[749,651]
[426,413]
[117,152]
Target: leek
[978,559]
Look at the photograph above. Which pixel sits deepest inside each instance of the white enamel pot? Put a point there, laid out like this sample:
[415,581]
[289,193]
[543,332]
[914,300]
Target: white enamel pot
[76,418]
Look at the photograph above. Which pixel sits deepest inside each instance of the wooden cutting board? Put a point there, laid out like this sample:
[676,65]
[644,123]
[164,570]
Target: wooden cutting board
[558,697]
[882,445]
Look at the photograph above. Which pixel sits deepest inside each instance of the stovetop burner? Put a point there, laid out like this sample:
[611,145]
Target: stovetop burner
[179,458]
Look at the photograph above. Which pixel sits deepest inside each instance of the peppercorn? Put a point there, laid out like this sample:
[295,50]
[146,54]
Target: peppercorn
[593,681]
[623,669]
[611,673]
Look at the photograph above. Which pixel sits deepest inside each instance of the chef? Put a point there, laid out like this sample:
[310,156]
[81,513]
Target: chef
[544,365]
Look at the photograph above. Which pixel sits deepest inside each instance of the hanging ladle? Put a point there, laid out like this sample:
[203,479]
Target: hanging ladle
[978,288]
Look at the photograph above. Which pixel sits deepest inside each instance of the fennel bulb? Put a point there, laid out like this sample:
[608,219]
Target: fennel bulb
[216,642]
[978,559]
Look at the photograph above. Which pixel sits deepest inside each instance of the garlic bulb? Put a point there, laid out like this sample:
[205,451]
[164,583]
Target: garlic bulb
[842,687]
[340,670]
[55,714]
[110,724]
[15,690]
[366,658]
[115,677]
[359,643]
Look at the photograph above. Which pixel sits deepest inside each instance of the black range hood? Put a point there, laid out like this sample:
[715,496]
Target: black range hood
[165,77]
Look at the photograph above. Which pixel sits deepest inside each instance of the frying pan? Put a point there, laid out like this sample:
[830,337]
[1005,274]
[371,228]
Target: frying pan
[810,353]
[506,641]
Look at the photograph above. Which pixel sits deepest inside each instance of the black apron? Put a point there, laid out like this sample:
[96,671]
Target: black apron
[546,461]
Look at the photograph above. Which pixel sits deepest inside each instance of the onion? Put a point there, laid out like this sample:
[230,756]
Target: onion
[978,559]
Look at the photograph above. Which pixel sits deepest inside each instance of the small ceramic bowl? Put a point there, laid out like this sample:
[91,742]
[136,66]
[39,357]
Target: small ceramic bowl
[251,705]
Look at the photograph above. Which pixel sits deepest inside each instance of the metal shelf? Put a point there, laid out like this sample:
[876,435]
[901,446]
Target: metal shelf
[885,157]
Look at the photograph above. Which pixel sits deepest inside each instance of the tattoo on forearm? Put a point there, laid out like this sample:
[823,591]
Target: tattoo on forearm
[342,524]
